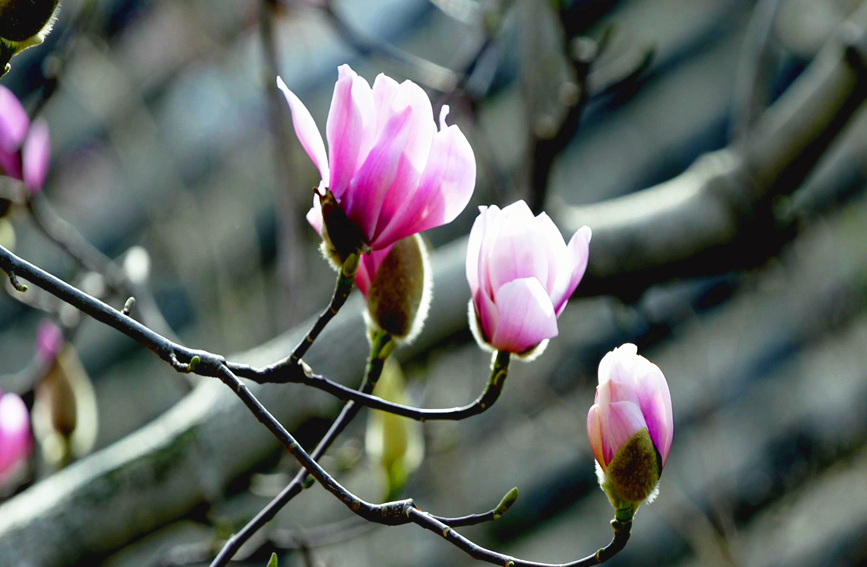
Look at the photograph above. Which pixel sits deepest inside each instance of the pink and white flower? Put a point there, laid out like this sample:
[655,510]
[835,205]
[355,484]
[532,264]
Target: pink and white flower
[392,173]
[521,274]
[632,395]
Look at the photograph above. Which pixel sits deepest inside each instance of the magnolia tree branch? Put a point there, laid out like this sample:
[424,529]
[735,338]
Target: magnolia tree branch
[393,513]
[162,471]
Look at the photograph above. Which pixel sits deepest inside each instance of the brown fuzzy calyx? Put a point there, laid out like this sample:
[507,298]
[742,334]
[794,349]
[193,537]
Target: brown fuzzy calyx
[635,469]
[397,290]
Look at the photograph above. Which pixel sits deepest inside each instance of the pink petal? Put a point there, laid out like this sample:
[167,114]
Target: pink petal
[594,432]
[487,313]
[13,121]
[555,247]
[474,248]
[314,215]
[306,130]
[518,251]
[36,156]
[444,190]
[579,254]
[655,400]
[384,170]
[624,421]
[349,130]
[526,316]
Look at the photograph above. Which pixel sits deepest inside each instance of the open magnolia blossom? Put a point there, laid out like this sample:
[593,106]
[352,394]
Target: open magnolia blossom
[15,442]
[630,426]
[388,170]
[521,274]
[24,150]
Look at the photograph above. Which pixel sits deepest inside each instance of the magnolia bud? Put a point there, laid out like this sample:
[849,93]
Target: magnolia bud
[399,295]
[23,24]
[631,428]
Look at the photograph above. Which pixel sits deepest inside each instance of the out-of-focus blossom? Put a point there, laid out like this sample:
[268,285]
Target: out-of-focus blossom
[64,408]
[630,425]
[49,341]
[36,154]
[24,150]
[388,170]
[15,440]
[521,274]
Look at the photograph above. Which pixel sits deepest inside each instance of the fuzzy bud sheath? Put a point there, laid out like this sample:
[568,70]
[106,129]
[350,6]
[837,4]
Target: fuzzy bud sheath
[399,295]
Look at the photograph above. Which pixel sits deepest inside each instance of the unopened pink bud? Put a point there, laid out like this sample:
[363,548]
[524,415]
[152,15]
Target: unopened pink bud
[521,274]
[15,440]
[389,170]
[630,425]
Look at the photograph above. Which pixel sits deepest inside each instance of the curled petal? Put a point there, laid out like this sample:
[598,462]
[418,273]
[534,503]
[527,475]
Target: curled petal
[655,400]
[578,253]
[444,189]
[526,316]
[306,130]
[594,431]
[474,247]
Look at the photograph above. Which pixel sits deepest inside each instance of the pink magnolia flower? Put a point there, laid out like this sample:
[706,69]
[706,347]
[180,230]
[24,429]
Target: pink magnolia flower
[15,441]
[30,162]
[392,173]
[521,274]
[632,397]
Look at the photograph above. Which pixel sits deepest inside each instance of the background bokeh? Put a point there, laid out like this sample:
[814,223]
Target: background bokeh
[166,134]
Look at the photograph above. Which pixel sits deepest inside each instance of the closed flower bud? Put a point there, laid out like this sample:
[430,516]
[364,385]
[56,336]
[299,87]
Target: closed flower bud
[521,274]
[397,287]
[630,427]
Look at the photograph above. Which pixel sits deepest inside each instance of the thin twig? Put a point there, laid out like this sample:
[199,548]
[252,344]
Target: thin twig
[350,410]
[345,281]
[282,373]
[428,522]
